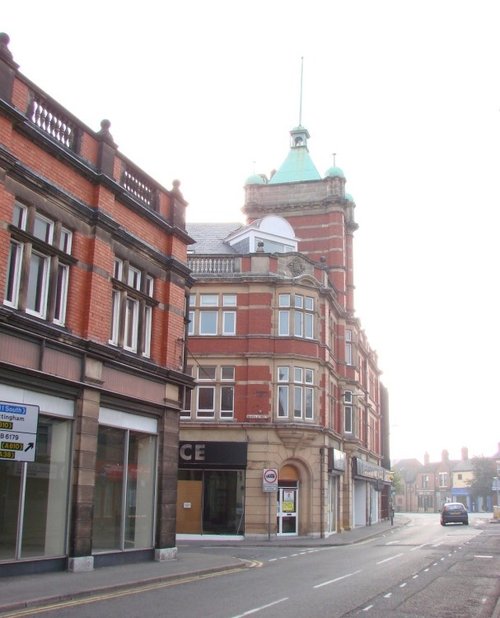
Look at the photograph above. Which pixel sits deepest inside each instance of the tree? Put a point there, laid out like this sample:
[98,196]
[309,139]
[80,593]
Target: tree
[481,485]
[398,484]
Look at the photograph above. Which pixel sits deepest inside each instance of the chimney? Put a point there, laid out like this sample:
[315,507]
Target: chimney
[445,456]
[426,458]
[465,453]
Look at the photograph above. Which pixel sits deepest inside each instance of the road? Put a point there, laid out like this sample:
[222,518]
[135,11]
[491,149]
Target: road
[421,570]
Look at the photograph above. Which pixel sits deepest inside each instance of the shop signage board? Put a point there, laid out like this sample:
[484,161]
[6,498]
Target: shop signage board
[270,479]
[18,428]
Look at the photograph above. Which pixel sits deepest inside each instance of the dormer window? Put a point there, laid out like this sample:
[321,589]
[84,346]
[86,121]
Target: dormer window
[271,234]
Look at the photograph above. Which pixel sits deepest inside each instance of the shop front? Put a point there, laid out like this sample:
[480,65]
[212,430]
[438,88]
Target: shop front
[125,482]
[369,480]
[35,469]
[336,468]
[211,488]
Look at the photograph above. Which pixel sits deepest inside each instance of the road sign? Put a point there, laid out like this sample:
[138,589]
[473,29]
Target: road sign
[18,427]
[270,479]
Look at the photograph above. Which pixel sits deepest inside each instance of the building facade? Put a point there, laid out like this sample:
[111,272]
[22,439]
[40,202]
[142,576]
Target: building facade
[284,432]
[424,488]
[93,261]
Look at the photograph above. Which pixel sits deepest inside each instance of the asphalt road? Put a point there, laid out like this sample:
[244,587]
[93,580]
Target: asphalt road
[421,570]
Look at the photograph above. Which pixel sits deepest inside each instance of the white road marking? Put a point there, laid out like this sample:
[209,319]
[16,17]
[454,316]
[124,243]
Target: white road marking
[337,579]
[391,558]
[418,547]
[367,608]
[478,556]
[259,609]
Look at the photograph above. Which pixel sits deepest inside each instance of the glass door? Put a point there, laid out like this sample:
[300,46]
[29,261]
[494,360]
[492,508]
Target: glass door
[287,511]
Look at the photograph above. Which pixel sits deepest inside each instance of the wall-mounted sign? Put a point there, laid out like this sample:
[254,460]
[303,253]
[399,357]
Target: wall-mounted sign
[18,427]
[336,460]
[369,471]
[211,455]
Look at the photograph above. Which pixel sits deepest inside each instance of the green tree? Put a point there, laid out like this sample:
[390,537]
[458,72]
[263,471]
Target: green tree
[484,470]
[397,482]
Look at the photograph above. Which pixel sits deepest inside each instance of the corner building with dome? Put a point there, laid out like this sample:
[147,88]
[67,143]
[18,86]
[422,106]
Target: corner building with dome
[286,430]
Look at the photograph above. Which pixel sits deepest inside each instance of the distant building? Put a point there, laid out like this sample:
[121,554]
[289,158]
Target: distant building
[286,431]
[426,487]
[93,279]
[406,498]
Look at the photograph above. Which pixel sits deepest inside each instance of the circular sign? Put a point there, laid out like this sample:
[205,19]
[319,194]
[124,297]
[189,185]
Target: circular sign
[270,475]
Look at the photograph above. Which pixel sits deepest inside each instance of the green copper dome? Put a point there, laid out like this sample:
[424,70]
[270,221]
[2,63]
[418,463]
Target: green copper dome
[255,179]
[298,165]
[334,172]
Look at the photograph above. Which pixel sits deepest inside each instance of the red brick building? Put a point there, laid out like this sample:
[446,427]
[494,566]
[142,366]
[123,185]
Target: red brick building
[92,263]
[286,431]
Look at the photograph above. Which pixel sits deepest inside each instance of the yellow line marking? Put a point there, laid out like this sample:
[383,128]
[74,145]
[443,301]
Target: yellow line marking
[136,589]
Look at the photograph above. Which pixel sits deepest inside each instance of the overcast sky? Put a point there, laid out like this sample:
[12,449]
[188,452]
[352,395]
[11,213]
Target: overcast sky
[405,92]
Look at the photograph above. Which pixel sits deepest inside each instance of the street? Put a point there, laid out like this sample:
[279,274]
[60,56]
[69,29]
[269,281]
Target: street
[420,570]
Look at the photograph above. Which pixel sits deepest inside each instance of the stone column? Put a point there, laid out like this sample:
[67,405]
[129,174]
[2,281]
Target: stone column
[165,545]
[84,463]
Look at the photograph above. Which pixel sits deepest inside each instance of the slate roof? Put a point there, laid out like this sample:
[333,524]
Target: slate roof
[210,237]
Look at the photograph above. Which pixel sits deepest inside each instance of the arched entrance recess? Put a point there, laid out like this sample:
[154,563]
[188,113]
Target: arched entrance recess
[292,512]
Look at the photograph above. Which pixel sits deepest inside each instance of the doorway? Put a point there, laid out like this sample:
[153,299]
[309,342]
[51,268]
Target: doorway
[287,509]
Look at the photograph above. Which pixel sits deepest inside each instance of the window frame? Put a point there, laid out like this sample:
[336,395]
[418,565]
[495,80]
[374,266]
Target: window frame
[295,393]
[216,386]
[348,412]
[39,265]
[297,311]
[210,315]
[132,307]
[348,348]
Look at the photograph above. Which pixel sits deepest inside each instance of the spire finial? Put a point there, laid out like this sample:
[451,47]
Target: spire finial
[301,79]
[334,154]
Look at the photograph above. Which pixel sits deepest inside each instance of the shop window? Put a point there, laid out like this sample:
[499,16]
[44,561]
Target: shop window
[124,490]
[218,497]
[34,495]
[38,265]
[132,308]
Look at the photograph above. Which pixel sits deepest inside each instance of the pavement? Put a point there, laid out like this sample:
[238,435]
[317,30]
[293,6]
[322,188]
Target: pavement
[194,560]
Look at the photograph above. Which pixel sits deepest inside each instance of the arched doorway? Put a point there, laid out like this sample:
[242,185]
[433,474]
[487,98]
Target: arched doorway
[287,506]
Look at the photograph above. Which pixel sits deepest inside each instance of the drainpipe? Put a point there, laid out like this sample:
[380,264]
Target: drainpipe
[321,491]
